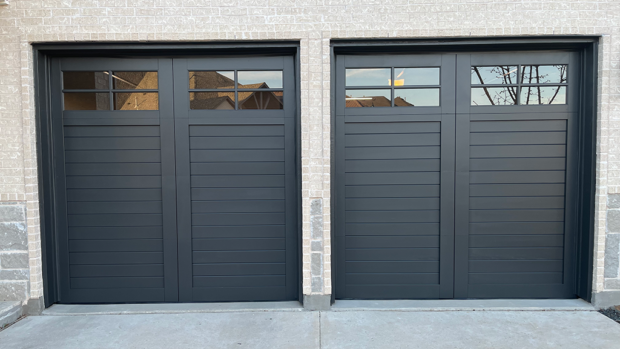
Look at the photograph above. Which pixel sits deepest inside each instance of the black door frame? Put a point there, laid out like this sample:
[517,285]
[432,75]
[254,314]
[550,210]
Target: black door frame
[587,48]
[42,56]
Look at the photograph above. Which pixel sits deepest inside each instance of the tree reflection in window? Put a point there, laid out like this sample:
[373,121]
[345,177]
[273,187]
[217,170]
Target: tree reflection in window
[495,75]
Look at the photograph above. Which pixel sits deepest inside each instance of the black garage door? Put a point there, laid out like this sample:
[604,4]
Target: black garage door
[175,179]
[456,175]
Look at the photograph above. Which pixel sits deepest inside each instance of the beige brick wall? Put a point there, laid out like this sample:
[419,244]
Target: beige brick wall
[314,23]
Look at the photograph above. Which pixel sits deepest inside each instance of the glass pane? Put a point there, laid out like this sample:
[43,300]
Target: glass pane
[416,76]
[136,101]
[85,80]
[135,80]
[543,95]
[260,100]
[501,74]
[368,98]
[369,77]
[212,100]
[87,101]
[212,79]
[543,74]
[494,96]
[425,97]
[260,79]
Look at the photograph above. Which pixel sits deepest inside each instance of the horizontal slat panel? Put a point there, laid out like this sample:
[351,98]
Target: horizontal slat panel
[239,294]
[551,253]
[236,155]
[517,228]
[238,181]
[98,233]
[392,191]
[387,140]
[114,220]
[236,130]
[517,177]
[239,257]
[517,126]
[109,143]
[477,203]
[391,127]
[237,193]
[422,216]
[120,245]
[379,153]
[237,168]
[116,182]
[239,281]
[113,194]
[392,178]
[515,278]
[249,206]
[515,266]
[366,204]
[114,258]
[516,240]
[111,131]
[237,218]
[519,164]
[392,267]
[236,142]
[516,190]
[391,241]
[112,156]
[392,254]
[392,278]
[117,282]
[249,231]
[549,215]
[393,291]
[517,151]
[518,291]
[391,229]
[114,207]
[239,269]
[238,244]
[117,270]
[117,295]
[122,169]
[518,138]
[397,165]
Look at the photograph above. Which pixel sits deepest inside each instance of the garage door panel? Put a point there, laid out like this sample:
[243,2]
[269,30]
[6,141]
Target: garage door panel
[507,202]
[393,242]
[269,256]
[504,253]
[237,131]
[517,290]
[393,254]
[76,156]
[548,215]
[247,231]
[117,282]
[237,181]
[392,191]
[396,165]
[240,281]
[392,178]
[237,193]
[516,177]
[114,220]
[114,258]
[112,169]
[99,233]
[390,140]
[518,164]
[239,244]
[392,279]
[518,278]
[393,266]
[114,207]
[116,245]
[112,131]
[509,138]
[239,168]
[516,189]
[556,240]
[392,291]
[236,155]
[495,266]
[229,294]
[239,206]
[215,219]
[518,125]
[113,182]
[123,270]
[246,142]
[390,204]
[517,151]
[109,143]
[378,153]
[378,229]
[422,216]
[391,127]
[95,195]
[521,228]
[232,269]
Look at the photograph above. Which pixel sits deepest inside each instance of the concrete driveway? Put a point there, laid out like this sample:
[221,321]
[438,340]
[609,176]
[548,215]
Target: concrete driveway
[295,328]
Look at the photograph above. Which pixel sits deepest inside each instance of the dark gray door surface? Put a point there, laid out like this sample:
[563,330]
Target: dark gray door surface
[455,175]
[175,179]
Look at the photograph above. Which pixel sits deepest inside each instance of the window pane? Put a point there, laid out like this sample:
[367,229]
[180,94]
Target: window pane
[87,101]
[426,97]
[416,76]
[212,79]
[135,80]
[260,79]
[212,100]
[543,74]
[543,95]
[85,80]
[260,100]
[368,98]
[368,77]
[136,101]
[494,96]
[501,74]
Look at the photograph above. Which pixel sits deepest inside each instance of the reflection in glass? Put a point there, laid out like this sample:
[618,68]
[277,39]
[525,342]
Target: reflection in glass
[426,97]
[260,100]
[260,79]
[368,98]
[136,101]
[543,95]
[211,79]
[85,80]
[135,80]
[369,77]
[494,96]
[500,75]
[212,100]
[543,74]
[416,76]
[87,101]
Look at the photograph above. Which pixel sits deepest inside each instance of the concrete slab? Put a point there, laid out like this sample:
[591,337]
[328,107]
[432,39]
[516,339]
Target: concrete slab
[465,305]
[9,312]
[473,329]
[267,330]
[170,308]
